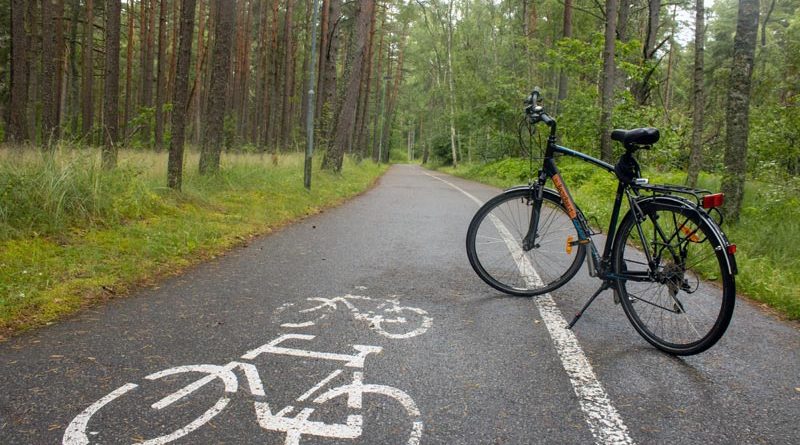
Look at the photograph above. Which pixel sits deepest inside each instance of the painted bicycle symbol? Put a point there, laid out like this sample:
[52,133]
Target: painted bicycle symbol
[386,317]
[294,426]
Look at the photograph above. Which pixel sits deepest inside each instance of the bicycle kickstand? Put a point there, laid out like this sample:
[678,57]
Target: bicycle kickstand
[604,286]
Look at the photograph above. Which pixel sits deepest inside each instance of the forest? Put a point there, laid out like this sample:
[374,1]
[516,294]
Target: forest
[443,77]
[179,86]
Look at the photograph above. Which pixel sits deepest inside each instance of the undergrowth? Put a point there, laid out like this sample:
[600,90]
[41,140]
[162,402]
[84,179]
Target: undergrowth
[72,233]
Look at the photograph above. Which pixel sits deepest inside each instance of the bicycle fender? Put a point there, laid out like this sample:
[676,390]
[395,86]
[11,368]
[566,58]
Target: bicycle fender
[546,191]
[684,205]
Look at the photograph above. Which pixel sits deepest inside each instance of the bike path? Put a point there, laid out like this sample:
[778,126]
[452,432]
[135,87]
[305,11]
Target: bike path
[484,371]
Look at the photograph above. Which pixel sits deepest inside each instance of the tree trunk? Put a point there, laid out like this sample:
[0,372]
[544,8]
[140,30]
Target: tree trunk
[345,124]
[262,95]
[17,122]
[180,96]
[642,90]
[327,72]
[379,93]
[128,74]
[287,117]
[323,51]
[221,62]
[87,101]
[111,88]
[366,81]
[738,112]
[174,47]
[392,98]
[74,90]
[563,80]
[272,110]
[622,23]
[52,10]
[147,63]
[34,50]
[607,82]
[451,84]
[698,98]
[161,79]
[195,107]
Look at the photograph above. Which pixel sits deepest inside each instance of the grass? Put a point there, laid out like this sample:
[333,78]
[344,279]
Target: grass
[72,234]
[768,254]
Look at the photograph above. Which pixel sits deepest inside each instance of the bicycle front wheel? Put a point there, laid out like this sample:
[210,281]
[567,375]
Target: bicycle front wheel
[495,251]
[682,300]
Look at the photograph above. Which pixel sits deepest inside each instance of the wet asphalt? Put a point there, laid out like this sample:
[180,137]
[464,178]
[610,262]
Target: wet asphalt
[468,366]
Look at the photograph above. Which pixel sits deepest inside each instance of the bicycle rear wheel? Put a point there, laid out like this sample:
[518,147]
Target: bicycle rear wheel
[494,244]
[682,303]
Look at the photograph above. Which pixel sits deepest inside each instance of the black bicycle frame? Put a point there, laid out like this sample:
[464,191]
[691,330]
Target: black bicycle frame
[550,171]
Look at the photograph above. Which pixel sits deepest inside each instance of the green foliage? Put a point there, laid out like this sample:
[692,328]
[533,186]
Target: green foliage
[127,228]
[50,194]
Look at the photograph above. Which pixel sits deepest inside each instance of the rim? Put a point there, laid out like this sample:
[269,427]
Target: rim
[496,242]
[679,307]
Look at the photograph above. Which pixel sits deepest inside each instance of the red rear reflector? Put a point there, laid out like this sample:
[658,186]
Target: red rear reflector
[732,249]
[712,201]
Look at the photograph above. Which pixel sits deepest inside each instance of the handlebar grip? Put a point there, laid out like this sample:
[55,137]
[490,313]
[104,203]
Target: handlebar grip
[536,94]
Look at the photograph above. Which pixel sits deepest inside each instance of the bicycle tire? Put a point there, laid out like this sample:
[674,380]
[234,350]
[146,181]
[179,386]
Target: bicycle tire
[502,263]
[676,308]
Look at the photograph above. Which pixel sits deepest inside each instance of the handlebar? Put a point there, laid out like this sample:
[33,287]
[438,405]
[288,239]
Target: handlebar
[536,112]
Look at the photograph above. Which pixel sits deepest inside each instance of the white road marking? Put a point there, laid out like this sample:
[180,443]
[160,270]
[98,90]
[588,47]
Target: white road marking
[352,361]
[76,431]
[195,424]
[319,385]
[376,321]
[296,426]
[604,421]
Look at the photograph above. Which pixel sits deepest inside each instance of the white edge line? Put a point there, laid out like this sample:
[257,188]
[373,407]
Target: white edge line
[604,421]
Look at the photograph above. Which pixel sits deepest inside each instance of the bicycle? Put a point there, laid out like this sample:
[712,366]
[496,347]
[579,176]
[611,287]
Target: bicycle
[294,427]
[531,240]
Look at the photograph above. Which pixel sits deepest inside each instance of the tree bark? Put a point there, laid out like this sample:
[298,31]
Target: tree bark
[195,107]
[345,124]
[128,73]
[180,96]
[52,10]
[698,98]
[392,97]
[287,117]
[323,50]
[161,78]
[221,62]
[327,72]
[74,90]
[451,85]
[378,92]
[366,81]
[111,88]
[738,110]
[271,107]
[87,102]
[17,122]
[607,81]
[563,80]
[642,90]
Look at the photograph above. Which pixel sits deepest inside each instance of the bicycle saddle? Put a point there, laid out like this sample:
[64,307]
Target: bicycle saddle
[637,136]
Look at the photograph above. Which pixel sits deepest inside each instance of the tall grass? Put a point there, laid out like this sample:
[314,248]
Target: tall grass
[71,232]
[768,253]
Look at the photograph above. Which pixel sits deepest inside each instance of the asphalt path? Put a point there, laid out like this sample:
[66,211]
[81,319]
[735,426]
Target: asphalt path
[366,324]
